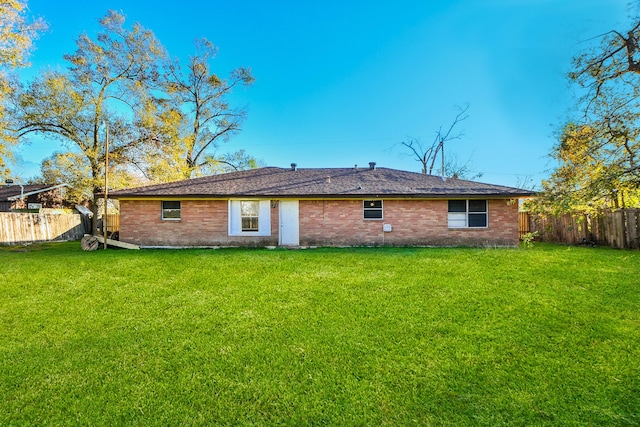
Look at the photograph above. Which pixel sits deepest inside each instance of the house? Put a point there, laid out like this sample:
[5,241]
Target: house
[18,196]
[320,207]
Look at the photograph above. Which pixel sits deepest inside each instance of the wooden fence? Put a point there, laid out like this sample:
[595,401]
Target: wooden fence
[20,228]
[113,224]
[618,229]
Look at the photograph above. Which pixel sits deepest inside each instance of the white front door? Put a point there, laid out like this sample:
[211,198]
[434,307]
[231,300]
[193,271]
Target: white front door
[289,223]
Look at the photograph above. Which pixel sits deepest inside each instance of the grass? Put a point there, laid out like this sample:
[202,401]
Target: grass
[388,336]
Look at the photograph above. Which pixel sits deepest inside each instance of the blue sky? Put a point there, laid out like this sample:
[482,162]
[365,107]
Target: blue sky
[340,83]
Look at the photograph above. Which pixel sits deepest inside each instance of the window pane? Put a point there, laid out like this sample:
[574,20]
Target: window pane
[478,220]
[171,213]
[457,205]
[249,208]
[250,223]
[373,214]
[171,205]
[457,220]
[477,205]
[369,204]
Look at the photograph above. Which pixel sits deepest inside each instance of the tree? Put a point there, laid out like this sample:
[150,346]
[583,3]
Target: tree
[427,156]
[17,34]
[194,118]
[592,172]
[69,168]
[599,150]
[108,84]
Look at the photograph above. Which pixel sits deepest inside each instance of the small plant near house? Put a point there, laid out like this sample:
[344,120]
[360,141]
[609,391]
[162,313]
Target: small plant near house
[528,239]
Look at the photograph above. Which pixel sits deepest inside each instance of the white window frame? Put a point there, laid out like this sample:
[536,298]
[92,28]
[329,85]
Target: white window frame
[366,208]
[235,218]
[461,219]
[163,210]
[244,215]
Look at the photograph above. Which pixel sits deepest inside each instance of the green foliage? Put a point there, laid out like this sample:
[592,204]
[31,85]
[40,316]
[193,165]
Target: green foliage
[192,119]
[164,123]
[107,85]
[17,33]
[388,336]
[529,238]
[598,151]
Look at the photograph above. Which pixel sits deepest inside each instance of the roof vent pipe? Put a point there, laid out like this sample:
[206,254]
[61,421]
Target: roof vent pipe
[372,165]
[293,166]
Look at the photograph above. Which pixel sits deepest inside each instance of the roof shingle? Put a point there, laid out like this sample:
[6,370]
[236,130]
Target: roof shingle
[322,182]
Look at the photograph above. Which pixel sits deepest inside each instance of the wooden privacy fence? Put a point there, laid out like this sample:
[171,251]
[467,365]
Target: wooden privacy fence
[20,228]
[113,224]
[618,229]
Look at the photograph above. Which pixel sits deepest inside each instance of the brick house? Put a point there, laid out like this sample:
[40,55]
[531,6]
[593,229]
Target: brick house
[320,207]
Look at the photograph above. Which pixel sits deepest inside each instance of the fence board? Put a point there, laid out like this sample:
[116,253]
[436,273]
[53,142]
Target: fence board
[524,223]
[20,228]
[113,223]
[618,229]
[631,223]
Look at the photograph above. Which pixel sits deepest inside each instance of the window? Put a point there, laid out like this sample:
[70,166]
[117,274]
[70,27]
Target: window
[249,215]
[372,209]
[171,210]
[468,214]
[249,218]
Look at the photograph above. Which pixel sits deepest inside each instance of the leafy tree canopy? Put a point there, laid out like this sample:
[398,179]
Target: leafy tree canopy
[17,33]
[598,150]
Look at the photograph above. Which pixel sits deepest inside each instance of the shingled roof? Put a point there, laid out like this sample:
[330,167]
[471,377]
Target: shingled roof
[15,190]
[276,182]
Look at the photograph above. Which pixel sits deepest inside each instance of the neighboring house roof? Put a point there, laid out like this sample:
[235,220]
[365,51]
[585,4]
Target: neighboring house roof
[17,191]
[322,183]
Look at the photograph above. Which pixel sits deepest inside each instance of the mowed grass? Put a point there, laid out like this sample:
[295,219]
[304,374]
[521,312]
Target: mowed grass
[387,336]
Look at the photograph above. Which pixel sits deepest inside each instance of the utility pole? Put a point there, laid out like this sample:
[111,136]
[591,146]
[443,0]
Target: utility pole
[106,183]
[442,153]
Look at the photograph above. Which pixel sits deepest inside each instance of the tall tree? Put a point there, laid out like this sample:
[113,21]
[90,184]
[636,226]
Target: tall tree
[108,85]
[17,33]
[194,118]
[599,150]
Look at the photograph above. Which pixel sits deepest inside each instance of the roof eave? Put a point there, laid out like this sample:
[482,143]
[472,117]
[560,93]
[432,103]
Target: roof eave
[456,195]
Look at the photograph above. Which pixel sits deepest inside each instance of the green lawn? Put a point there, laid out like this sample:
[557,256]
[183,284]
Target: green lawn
[388,336]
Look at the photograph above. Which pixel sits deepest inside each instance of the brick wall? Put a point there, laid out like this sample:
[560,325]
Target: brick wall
[202,223]
[414,222]
[322,223]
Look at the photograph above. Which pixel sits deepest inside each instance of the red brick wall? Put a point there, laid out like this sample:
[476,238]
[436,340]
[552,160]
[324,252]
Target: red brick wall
[322,223]
[414,222]
[202,223]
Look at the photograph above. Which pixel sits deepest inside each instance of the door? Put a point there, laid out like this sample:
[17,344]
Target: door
[289,223]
